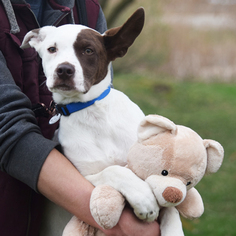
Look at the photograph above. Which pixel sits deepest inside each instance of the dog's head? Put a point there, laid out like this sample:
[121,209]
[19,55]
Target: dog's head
[76,57]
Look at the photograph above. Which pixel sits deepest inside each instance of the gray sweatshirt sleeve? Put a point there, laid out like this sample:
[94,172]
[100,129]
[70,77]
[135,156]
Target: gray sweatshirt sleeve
[23,149]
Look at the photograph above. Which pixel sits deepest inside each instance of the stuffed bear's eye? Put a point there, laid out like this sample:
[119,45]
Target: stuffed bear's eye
[188,183]
[164,172]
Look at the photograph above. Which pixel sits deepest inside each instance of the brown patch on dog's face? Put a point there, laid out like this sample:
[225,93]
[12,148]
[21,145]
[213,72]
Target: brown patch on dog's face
[91,53]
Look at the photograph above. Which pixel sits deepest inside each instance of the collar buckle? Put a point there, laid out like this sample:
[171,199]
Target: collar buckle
[62,109]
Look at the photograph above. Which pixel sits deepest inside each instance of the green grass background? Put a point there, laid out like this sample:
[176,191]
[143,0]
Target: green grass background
[210,110]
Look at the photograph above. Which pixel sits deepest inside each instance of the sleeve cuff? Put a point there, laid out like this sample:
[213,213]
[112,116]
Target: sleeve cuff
[27,160]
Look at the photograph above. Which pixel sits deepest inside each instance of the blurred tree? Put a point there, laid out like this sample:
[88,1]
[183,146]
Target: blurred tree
[115,11]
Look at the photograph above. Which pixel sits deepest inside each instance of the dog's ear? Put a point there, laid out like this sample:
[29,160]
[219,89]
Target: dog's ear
[35,37]
[118,40]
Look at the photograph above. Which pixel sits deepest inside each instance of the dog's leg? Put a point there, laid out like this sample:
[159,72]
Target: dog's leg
[136,191]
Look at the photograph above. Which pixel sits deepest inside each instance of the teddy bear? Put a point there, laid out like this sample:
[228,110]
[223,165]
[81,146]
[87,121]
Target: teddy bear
[172,159]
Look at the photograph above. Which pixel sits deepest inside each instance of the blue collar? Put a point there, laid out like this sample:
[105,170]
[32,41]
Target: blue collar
[66,110]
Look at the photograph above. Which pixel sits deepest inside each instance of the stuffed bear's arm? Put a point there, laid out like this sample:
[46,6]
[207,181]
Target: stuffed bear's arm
[192,206]
[77,227]
[106,205]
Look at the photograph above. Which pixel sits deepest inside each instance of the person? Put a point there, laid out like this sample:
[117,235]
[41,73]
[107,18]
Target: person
[31,163]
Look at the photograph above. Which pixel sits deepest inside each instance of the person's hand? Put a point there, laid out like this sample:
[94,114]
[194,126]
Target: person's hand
[130,225]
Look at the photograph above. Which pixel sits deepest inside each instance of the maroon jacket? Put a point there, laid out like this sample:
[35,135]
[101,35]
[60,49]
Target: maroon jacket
[19,205]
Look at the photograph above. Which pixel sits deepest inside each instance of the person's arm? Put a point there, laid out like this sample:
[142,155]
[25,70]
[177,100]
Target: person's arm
[61,182]
[23,149]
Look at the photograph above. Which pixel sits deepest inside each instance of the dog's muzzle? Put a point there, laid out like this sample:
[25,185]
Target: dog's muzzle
[64,77]
[65,71]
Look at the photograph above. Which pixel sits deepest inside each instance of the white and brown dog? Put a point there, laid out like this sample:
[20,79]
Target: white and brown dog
[98,123]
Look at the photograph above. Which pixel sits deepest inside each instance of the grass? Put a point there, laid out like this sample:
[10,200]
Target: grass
[210,110]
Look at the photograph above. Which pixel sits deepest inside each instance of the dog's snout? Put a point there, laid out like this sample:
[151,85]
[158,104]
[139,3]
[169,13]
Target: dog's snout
[65,71]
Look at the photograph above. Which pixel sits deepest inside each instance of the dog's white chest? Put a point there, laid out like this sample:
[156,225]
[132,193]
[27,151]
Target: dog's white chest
[101,135]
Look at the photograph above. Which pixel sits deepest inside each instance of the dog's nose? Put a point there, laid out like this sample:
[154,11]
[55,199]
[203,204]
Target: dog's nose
[65,71]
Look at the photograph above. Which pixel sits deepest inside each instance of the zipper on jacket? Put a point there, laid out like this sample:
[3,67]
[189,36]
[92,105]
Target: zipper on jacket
[35,18]
[65,14]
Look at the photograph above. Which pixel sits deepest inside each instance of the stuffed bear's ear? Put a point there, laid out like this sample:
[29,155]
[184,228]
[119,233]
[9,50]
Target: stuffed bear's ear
[35,37]
[215,155]
[153,125]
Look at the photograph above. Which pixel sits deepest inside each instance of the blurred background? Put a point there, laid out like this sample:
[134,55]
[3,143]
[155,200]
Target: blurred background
[183,66]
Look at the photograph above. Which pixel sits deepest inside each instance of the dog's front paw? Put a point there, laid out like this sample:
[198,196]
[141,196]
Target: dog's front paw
[144,204]
[146,209]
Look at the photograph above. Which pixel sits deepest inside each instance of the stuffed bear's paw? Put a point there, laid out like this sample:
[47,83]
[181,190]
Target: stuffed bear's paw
[106,206]
[76,227]
[144,204]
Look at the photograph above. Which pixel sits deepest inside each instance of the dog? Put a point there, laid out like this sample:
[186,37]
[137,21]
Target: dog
[98,123]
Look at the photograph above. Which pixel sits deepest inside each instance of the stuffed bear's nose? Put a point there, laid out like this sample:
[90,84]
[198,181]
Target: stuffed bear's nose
[172,194]
[65,71]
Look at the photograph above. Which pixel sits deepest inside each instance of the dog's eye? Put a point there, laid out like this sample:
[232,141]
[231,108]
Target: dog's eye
[52,49]
[188,183]
[88,51]
[164,172]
